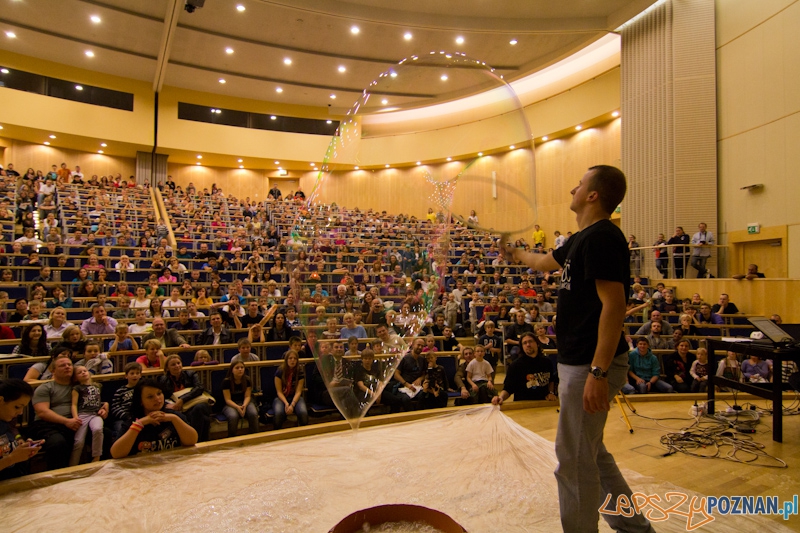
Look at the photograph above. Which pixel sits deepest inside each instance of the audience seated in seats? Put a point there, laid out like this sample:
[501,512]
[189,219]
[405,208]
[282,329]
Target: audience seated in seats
[289,382]
[152,427]
[91,410]
[44,371]
[33,342]
[409,375]
[725,306]
[434,384]
[185,322]
[645,372]
[755,370]
[656,340]
[141,326]
[175,380]
[99,323]
[15,452]
[700,371]
[245,355]
[677,367]
[93,359]
[54,422]
[705,316]
[493,343]
[479,377]
[279,329]
[752,273]
[153,356]
[514,334]
[351,329]
[123,340]
[238,394]
[655,316]
[121,402]
[460,379]
[168,338]
[202,358]
[529,377]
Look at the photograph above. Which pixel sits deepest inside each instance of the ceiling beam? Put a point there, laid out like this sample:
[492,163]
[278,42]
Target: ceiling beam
[174,8]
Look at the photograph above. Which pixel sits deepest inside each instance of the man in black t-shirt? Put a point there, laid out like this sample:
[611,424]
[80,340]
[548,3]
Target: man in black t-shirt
[592,352]
[530,377]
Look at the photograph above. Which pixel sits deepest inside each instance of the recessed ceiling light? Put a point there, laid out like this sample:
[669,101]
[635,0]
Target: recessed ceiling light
[354,30]
[79,87]
[278,89]
[272,117]
[1,127]
[229,50]
[356,167]
[419,162]
[275,162]
[393,74]
[4,71]
[99,151]
[333,97]
[95,19]
[342,68]
[11,35]
[241,166]
[579,127]
[222,80]
[444,77]
[480,154]
[103,145]
[459,40]
[199,157]
[52,136]
[512,147]
[449,158]
[512,42]
[387,166]
[328,122]
[615,114]
[240,8]
[408,36]
[47,143]
[313,164]
[198,163]
[544,138]
[287,61]
[385,101]
[89,53]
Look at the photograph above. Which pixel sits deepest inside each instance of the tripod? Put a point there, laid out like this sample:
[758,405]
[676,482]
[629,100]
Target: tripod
[619,399]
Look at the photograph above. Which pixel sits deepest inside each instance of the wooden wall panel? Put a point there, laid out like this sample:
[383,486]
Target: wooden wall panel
[40,157]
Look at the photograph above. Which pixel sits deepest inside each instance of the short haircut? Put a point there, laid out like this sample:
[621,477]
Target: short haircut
[152,343]
[93,342]
[610,184]
[295,338]
[244,342]
[133,365]
[643,339]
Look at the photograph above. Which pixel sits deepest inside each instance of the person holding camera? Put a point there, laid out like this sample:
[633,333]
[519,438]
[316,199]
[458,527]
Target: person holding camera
[434,384]
[701,249]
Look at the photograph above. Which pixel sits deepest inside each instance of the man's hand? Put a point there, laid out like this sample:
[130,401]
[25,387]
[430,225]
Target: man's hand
[464,393]
[595,395]
[74,423]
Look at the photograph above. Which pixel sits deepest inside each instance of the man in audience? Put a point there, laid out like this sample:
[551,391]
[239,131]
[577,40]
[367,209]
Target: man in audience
[529,377]
[725,306]
[169,338]
[752,273]
[216,333]
[514,334]
[99,323]
[705,316]
[409,374]
[701,249]
[679,252]
[252,316]
[645,371]
[655,316]
[657,342]
[204,254]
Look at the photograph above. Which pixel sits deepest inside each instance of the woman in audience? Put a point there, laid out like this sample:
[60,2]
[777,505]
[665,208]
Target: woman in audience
[93,265]
[101,282]
[141,301]
[57,324]
[175,380]
[533,315]
[87,289]
[289,383]
[74,339]
[60,299]
[237,391]
[201,299]
[167,277]
[151,428]
[216,289]
[44,371]
[156,309]
[279,329]
[33,342]
[82,276]
[124,264]
[15,395]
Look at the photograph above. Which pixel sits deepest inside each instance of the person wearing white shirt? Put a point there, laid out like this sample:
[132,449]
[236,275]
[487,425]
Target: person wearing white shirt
[174,301]
[124,264]
[560,240]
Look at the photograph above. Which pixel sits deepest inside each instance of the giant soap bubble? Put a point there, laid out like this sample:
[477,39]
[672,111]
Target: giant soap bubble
[445,142]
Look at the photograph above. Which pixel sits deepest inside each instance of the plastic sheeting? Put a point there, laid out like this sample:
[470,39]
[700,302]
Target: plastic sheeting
[478,466]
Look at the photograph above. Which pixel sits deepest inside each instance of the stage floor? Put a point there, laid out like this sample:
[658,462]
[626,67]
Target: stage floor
[478,465]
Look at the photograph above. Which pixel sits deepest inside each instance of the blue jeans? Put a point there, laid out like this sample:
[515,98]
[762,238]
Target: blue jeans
[233,416]
[586,472]
[280,412]
[658,386]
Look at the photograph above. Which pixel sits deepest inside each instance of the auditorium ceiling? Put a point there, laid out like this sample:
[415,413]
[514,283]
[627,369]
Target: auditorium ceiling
[311,53]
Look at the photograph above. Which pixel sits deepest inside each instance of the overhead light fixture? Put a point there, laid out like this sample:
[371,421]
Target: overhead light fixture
[328,122]
[272,117]
[354,30]
[387,166]
[89,53]
[4,70]
[199,156]
[103,145]
[229,50]
[241,166]
[393,74]
[444,77]
[512,147]
[95,19]
[279,89]
[274,162]
[544,138]
[342,68]
[480,154]
[615,114]
[11,35]
[47,143]
[419,163]
[385,101]
[198,163]
[282,172]
[222,80]
[1,127]
[579,127]
[459,40]
[333,97]
[356,167]
[287,61]
[100,152]
[407,36]
[449,158]
[79,87]
[512,42]
[52,136]
[313,164]
[240,8]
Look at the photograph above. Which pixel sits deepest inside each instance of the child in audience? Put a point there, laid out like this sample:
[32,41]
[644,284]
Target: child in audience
[202,357]
[430,344]
[237,390]
[333,330]
[700,371]
[730,368]
[142,326]
[153,356]
[121,403]
[479,377]
[244,354]
[434,384]
[295,345]
[352,346]
[90,409]
[95,361]
[123,341]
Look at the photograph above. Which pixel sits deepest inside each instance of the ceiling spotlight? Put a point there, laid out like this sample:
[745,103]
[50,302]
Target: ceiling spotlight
[46,143]
[354,30]
[199,157]
[272,117]
[1,127]
[278,90]
[89,53]
[4,70]
[449,158]
[79,87]
[512,42]
[287,61]
[222,80]
[512,147]
[480,154]
[384,101]
[229,50]
[419,163]
[52,136]
[544,138]
[444,77]
[240,8]
[579,127]
[313,164]
[387,166]
[333,97]
[103,145]
[241,166]
[198,163]
[356,167]
[342,68]
[615,114]
[328,122]
[11,35]
[459,40]
[95,19]
[408,36]
[276,162]
[100,152]
[393,74]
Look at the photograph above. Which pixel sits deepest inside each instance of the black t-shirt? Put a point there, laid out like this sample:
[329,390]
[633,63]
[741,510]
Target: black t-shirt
[154,438]
[369,377]
[598,252]
[8,443]
[411,368]
[237,391]
[528,378]
[248,320]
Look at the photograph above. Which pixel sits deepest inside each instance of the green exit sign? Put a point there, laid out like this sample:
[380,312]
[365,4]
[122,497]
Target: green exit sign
[753,229]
